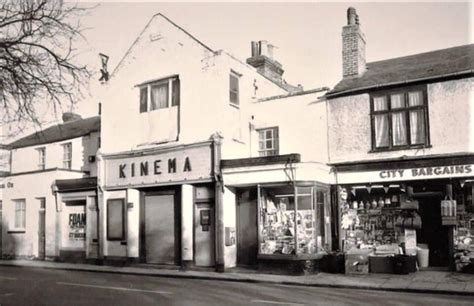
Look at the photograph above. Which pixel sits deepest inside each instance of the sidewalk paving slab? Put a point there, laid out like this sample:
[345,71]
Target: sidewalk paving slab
[422,281]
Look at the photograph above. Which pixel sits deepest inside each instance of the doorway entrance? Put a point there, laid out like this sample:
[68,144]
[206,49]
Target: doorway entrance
[204,226]
[159,229]
[247,239]
[42,229]
[432,232]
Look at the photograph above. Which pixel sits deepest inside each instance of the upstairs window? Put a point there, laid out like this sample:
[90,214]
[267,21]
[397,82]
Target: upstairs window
[159,94]
[67,155]
[268,142]
[41,158]
[234,88]
[399,119]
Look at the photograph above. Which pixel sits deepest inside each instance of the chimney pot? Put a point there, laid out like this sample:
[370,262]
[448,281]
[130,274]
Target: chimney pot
[353,46]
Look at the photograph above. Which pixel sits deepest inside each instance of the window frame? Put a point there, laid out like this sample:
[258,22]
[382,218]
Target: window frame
[173,93]
[236,76]
[406,113]
[277,149]
[22,226]
[122,235]
[67,155]
[41,158]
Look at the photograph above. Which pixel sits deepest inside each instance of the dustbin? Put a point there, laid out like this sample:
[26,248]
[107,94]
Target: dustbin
[423,255]
[403,264]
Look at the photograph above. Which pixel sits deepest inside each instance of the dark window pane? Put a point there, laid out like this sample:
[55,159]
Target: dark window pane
[143,99]
[234,89]
[176,93]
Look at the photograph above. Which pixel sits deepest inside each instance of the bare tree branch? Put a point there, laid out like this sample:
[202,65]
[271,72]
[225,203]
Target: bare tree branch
[37,58]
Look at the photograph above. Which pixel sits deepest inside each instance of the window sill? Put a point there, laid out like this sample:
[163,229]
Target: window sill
[417,147]
[17,231]
[237,106]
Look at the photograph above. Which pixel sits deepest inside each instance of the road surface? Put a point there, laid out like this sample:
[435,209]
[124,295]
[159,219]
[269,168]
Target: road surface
[33,286]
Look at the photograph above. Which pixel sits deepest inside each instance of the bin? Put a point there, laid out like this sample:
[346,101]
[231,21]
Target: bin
[404,264]
[423,255]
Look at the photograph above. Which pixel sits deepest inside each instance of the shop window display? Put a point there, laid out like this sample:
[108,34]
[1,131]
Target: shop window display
[290,220]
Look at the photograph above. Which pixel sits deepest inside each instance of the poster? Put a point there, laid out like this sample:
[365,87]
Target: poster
[410,241]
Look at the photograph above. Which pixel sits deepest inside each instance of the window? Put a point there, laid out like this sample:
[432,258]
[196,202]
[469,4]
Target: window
[268,142]
[115,219]
[20,214]
[292,220]
[399,119]
[67,155]
[41,158]
[159,94]
[234,88]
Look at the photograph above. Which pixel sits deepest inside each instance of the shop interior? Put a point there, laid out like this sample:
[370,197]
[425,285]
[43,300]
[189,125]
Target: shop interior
[430,219]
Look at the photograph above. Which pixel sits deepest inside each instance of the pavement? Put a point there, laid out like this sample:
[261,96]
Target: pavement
[423,281]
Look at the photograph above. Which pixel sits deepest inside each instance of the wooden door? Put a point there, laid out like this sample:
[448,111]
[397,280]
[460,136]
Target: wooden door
[160,229]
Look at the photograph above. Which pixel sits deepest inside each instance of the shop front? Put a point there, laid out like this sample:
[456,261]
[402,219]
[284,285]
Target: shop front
[396,218]
[159,206]
[283,213]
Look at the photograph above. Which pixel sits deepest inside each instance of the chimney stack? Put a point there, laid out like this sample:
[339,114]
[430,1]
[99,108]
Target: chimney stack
[353,46]
[262,59]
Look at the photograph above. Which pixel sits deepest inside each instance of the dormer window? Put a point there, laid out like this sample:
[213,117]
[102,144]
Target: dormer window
[158,94]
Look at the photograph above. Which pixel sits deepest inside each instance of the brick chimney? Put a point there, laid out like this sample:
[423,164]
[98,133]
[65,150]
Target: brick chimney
[353,46]
[262,59]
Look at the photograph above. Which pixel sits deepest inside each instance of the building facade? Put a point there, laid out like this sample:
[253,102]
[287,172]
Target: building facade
[174,112]
[49,194]
[401,143]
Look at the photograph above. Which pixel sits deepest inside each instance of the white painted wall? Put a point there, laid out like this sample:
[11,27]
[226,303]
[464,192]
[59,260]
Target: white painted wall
[133,223]
[187,225]
[230,219]
[111,248]
[31,187]
[27,158]
[204,78]
[451,113]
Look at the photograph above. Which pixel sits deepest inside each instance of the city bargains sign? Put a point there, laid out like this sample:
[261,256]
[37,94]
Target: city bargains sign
[449,171]
[176,166]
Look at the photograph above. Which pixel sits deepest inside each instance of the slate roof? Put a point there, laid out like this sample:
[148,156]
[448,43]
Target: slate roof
[60,132]
[408,69]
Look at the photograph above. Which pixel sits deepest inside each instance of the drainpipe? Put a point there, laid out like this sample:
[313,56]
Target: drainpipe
[219,198]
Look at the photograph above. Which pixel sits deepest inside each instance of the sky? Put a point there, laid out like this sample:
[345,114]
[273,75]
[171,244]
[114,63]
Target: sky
[307,35]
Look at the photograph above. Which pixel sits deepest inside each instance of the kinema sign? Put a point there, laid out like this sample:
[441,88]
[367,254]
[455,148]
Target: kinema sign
[146,168]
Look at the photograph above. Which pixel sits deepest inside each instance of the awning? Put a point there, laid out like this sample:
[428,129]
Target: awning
[79,184]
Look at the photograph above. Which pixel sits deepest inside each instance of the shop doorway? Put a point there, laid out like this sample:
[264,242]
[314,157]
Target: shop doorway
[247,239]
[159,224]
[432,232]
[73,244]
[204,235]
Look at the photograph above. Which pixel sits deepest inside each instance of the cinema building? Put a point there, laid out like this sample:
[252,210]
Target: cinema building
[49,193]
[197,144]
[401,143]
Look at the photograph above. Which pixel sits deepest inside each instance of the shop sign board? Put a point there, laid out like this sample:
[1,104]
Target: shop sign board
[388,175]
[186,164]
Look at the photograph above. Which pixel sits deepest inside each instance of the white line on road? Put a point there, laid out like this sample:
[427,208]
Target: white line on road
[7,278]
[114,288]
[275,302]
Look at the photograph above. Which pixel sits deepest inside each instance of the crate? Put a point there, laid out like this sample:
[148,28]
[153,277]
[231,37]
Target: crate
[380,264]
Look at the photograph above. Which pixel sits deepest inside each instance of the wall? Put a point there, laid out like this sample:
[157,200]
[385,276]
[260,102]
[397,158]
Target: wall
[301,122]
[163,50]
[31,187]
[230,218]
[112,248]
[450,116]
[27,158]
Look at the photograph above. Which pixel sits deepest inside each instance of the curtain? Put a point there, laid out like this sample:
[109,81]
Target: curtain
[399,131]
[396,101]
[380,103]
[415,98]
[417,126]
[159,96]
[381,131]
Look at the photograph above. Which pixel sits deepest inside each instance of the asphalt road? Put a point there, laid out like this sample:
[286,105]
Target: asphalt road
[27,286]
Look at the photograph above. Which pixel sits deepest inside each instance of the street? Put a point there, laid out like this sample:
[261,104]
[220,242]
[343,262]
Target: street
[27,286]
